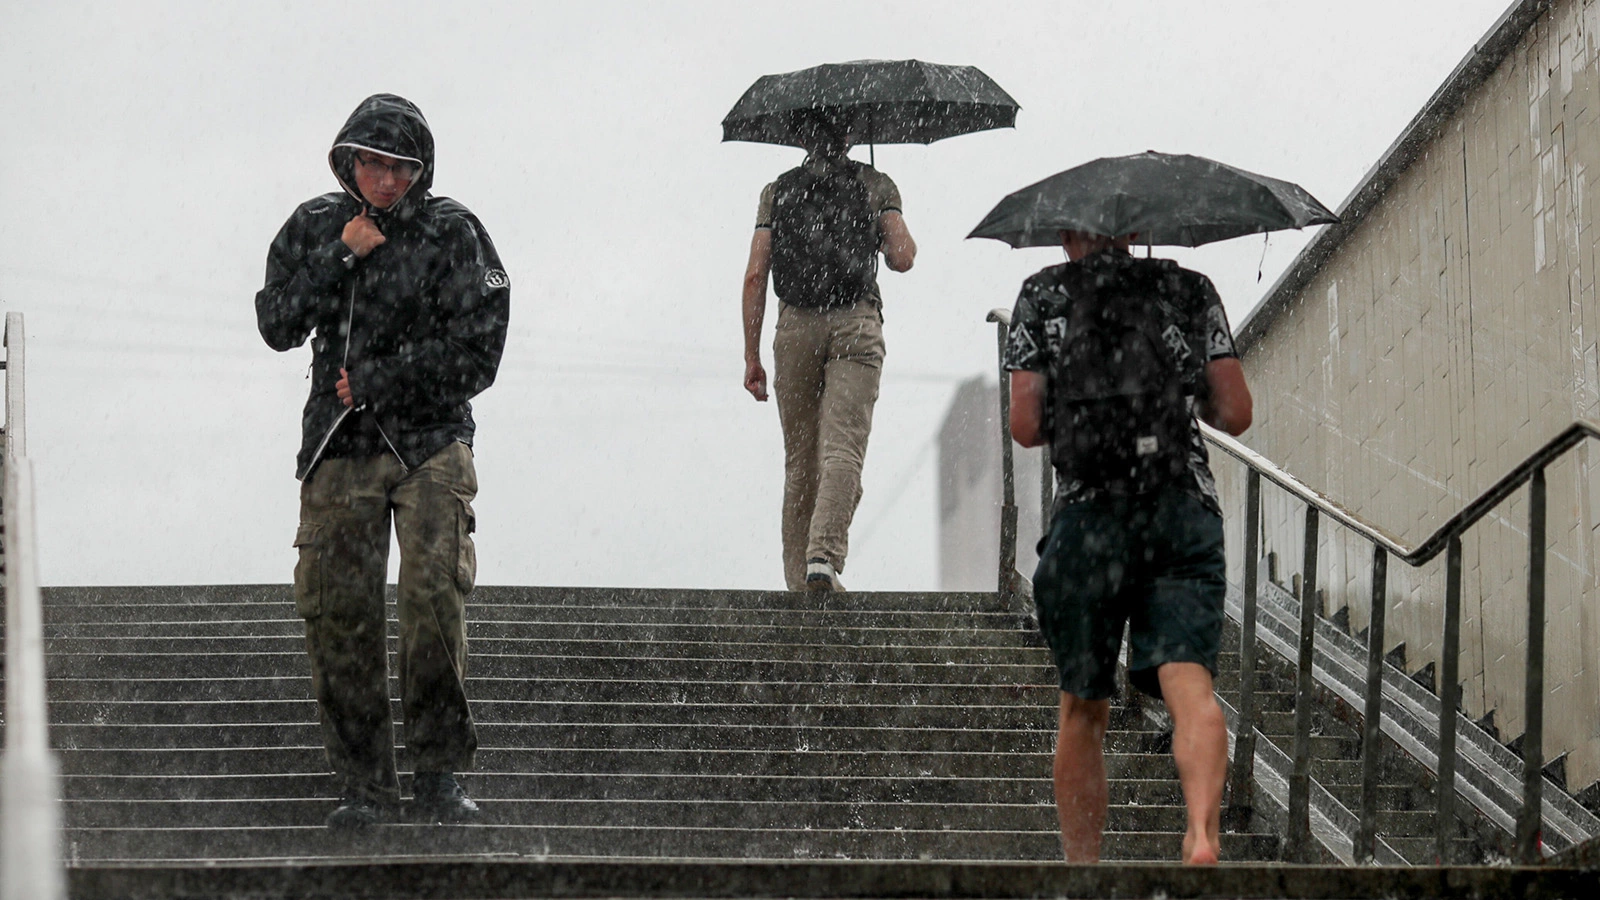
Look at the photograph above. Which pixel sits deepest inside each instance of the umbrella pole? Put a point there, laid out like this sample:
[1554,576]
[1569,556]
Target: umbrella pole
[872,155]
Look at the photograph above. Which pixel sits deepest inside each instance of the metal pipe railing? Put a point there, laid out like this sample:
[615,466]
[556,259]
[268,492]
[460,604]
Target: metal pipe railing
[1446,539]
[1528,827]
[30,792]
[1449,702]
[1299,838]
[1372,716]
[1011,584]
[1241,780]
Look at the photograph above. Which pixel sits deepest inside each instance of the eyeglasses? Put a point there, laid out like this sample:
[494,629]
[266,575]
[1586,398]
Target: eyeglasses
[400,169]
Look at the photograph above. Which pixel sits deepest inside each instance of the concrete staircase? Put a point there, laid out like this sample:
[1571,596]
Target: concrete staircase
[612,724]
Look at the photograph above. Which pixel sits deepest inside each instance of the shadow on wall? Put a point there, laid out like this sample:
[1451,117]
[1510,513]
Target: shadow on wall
[970,491]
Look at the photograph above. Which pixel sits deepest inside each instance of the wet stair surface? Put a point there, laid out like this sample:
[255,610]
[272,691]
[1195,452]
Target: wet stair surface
[612,723]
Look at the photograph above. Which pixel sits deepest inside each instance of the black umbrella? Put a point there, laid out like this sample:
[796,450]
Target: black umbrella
[876,101]
[1167,199]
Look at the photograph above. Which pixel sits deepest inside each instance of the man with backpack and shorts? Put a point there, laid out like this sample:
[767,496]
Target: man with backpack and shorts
[819,230]
[1111,358]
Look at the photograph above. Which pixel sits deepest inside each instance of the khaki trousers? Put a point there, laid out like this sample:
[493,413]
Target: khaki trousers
[345,510]
[826,366]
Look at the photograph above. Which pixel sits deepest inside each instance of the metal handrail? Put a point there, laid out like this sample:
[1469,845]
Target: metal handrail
[1447,539]
[30,778]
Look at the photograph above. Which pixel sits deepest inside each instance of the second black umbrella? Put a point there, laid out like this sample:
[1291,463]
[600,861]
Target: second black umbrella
[1165,198]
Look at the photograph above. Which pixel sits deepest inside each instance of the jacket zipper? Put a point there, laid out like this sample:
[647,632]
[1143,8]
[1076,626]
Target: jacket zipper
[349,324]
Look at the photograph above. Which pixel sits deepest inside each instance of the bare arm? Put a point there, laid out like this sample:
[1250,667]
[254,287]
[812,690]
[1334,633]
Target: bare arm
[899,250]
[1027,408]
[1227,404]
[755,310]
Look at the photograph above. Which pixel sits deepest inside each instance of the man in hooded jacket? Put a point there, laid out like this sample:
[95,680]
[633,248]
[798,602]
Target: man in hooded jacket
[406,304]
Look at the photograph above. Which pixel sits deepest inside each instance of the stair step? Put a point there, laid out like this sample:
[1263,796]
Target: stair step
[1264,701]
[232,652]
[600,736]
[259,665]
[568,812]
[1024,788]
[640,736]
[1395,797]
[1283,723]
[814,763]
[555,688]
[636,786]
[1423,850]
[626,841]
[497,712]
[810,628]
[198,601]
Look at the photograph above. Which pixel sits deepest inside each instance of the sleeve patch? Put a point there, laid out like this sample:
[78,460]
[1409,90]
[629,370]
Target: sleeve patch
[495,279]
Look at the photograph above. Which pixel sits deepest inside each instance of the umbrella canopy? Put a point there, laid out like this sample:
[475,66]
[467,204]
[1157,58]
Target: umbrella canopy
[1167,199]
[877,101]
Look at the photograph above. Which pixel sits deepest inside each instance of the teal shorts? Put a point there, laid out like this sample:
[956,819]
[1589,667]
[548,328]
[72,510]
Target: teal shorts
[1151,562]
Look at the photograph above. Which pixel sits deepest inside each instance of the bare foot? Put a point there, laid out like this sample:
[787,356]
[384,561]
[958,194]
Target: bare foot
[1197,852]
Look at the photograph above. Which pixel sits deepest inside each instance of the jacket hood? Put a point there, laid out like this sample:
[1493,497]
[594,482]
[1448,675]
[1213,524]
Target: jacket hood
[393,126]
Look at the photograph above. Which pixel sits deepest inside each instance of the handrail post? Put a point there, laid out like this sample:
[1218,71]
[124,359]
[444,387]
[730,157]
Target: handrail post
[1006,583]
[1449,702]
[1241,778]
[1299,838]
[1372,719]
[1531,819]
[1047,490]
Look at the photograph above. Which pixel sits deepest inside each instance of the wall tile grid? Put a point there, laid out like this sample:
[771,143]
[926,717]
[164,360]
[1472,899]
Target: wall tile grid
[1451,335]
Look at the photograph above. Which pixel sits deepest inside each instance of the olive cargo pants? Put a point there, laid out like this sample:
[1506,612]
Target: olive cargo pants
[345,510]
[826,366]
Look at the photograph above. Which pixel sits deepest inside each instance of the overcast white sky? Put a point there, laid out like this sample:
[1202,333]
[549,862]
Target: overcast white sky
[152,150]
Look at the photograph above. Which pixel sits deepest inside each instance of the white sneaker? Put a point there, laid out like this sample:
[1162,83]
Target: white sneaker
[820,576]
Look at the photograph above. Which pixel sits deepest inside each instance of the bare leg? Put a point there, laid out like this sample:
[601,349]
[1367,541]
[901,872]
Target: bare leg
[1200,748]
[1080,776]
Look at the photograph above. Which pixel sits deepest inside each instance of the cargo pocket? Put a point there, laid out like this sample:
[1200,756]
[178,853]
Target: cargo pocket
[466,553]
[308,572]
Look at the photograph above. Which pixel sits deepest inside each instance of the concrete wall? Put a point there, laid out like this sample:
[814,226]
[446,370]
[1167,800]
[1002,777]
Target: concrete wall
[1451,334]
[969,492]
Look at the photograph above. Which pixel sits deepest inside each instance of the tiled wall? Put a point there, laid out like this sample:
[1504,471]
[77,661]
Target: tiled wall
[1450,336]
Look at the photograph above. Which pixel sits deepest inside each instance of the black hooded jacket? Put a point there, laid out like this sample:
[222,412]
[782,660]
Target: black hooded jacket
[419,323]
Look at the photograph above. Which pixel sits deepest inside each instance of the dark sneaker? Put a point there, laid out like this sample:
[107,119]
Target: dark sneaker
[354,814]
[437,797]
[820,576]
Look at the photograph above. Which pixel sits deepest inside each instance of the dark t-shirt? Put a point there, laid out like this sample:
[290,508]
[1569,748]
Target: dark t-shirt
[1039,323]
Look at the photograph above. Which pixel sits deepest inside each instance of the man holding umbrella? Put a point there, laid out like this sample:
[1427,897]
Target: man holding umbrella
[1111,358]
[820,229]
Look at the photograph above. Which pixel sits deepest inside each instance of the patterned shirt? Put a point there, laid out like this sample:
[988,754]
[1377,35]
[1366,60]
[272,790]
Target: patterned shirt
[1039,324]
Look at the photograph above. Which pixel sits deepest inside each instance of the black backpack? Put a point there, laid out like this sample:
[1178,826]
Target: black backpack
[1119,385]
[824,237]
